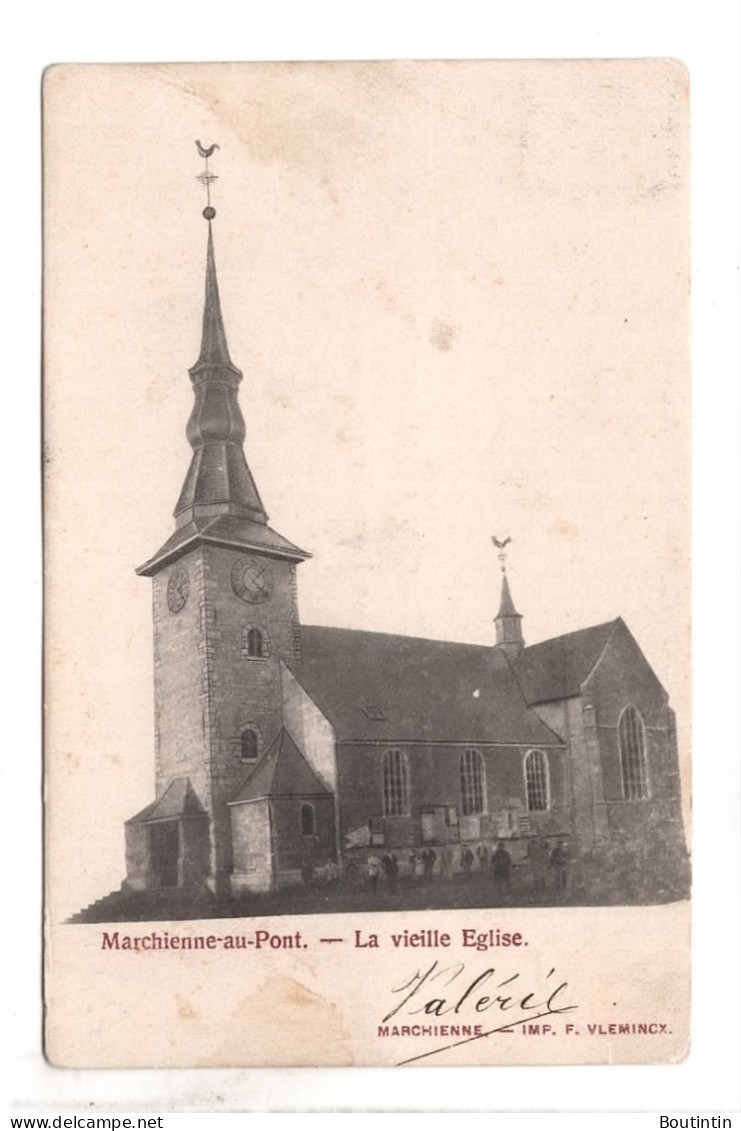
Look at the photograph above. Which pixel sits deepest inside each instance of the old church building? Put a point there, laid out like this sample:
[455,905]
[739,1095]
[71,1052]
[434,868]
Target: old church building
[280,747]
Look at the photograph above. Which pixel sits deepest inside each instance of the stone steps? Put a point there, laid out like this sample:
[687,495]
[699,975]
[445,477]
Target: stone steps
[119,906]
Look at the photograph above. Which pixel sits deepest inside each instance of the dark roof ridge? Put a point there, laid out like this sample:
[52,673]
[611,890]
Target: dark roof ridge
[424,689]
[397,636]
[512,665]
[178,799]
[612,624]
[558,668]
[300,779]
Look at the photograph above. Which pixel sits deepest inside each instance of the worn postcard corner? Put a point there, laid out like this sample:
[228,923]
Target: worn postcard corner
[367,493]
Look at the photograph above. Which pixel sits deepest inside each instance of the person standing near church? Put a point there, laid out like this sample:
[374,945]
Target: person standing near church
[331,872]
[559,864]
[390,866]
[373,868]
[466,861]
[539,856]
[482,852]
[446,862]
[501,864]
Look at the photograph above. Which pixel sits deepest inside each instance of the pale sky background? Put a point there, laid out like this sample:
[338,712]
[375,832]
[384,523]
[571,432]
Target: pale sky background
[459,296]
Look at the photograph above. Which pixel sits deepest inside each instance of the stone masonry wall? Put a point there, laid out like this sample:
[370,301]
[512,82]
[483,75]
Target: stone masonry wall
[434,779]
[181,695]
[624,677]
[252,837]
[244,691]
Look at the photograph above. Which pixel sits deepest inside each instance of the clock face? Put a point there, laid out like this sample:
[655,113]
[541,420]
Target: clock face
[251,580]
[178,588]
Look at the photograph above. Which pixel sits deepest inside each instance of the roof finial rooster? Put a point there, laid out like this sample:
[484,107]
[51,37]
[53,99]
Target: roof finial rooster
[501,545]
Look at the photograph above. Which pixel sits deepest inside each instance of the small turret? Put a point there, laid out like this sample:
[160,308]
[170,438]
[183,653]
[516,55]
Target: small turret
[508,621]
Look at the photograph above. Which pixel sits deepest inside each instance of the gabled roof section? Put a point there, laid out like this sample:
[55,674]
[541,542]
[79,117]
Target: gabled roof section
[421,690]
[557,668]
[283,771]
[178,800]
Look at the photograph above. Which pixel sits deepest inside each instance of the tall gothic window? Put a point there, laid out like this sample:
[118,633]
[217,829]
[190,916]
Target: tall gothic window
[395,784]
[472,783]
[632,742]
[536,780]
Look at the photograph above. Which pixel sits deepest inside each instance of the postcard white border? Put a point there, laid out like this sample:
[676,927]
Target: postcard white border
[706,38]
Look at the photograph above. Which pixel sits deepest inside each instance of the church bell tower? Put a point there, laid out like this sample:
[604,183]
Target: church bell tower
[225,614]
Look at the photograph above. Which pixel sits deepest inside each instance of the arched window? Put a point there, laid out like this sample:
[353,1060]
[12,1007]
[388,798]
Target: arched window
[307,819]
[395,784]
[248,745]
[254,643]
[536,780]
[472,783]
[632,742]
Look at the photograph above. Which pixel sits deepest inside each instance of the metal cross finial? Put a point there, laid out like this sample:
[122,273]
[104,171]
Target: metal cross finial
[502,547]
[206,178]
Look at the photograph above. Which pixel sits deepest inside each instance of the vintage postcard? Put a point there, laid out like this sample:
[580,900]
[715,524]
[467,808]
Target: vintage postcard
[367,563]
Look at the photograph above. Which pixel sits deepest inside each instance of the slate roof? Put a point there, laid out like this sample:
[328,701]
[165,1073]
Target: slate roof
[218,474]
[214,350]
[506,604]
[282,772]
[423,690]
[178,800]
[557,668]
[219,498]
[223,530]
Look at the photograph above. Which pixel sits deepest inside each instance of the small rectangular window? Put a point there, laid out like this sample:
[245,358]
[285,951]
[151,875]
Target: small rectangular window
[373,712]
[307,819]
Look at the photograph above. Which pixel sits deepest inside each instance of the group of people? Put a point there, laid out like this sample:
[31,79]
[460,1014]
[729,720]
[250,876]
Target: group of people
[388,864]
[328,873]
[499,863]
[543,859]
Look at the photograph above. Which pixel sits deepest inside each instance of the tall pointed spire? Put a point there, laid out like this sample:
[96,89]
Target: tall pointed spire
[218,480]
[219,501]
[506,604]
[508,622]
[214,349]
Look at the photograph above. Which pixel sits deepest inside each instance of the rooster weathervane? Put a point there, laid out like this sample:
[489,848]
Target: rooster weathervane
[501,545]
